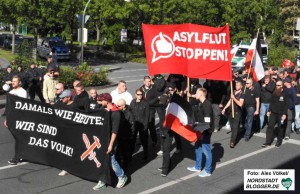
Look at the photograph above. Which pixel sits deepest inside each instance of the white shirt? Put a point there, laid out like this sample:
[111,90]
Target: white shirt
[117,96]
[19,92]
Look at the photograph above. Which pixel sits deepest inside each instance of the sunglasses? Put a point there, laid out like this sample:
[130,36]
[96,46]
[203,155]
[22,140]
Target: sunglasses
[139,94]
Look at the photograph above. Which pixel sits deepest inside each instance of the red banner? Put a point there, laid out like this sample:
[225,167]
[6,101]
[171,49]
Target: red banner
[192,50]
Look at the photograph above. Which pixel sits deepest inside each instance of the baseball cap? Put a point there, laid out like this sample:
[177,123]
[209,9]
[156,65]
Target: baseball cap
[50,69]
[288,80]
[105,96]
[65,93]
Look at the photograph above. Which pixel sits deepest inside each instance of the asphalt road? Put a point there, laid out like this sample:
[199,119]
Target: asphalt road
[228,164]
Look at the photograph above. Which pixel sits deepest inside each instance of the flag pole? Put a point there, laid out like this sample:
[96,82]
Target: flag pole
[188,87]
[232,107]
[251,62]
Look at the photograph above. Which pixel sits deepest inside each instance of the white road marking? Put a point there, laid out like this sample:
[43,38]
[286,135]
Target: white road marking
[126,76]
[137,80]
[13,166]
[168,184]
[129,70]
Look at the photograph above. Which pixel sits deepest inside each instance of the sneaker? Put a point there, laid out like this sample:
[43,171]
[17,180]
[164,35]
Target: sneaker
[278,144]
[265,145]
[159,169]
[99,186]
[203,173]
[246,139]
[122,181]
[164,174]
[160,153]
[177,151]
[216,130]
[13,161]
[286,138]
[193,169]
[63,173]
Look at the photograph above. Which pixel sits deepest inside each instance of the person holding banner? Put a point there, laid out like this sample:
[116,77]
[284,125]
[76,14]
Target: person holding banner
[234,119]
[202,145]
[106,101]
[18,91]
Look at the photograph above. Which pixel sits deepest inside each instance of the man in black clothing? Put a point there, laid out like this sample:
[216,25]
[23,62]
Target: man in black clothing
[151,125]
[34,76]
[277,112]
[216,95]
[140,111]
[237,101]
[267,89]
[8,77]
[193,101]
[81,100]
[59,88]
[94,99]
[125,135]
[158,88]
[252,107]
[53,64]
[292,94]
[178,80]
[22,74]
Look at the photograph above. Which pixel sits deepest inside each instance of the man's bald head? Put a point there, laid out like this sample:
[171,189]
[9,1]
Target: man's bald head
[121,104]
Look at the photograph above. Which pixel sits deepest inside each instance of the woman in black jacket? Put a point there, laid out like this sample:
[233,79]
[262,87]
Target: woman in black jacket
[140,111]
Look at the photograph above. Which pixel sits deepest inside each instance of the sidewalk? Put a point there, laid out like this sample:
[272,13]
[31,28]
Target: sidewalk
[100,89]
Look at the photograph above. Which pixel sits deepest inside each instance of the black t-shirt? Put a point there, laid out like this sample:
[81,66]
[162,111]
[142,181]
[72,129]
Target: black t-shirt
[238,96]
[250,97]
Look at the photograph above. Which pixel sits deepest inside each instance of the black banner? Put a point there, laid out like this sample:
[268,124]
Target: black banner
[61,137]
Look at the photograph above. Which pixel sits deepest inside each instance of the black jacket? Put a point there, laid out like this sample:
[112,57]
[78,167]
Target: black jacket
[126,124]
[94,104]
[206,114]
[266,92]
[82,101]
[140,111]
[279,104]
[33,76]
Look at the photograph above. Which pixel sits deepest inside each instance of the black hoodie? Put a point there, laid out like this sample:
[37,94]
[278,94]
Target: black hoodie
[82,101]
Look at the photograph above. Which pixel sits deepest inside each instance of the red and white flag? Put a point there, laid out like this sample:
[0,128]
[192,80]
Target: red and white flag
[179,118]
[195,51]
[254,60]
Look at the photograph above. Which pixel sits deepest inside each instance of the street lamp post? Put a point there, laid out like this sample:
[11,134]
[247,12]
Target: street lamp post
[82,26]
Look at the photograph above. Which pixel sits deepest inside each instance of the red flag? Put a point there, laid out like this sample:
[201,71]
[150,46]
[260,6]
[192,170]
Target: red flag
[179,118]
[193,50]
[254,60]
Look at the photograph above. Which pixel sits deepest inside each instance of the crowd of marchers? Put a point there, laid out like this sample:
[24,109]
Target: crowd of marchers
[245,109]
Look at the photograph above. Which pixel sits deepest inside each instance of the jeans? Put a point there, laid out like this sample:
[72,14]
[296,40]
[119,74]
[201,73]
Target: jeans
[249,122]
[297,116]
[290,119]
[264,107]
[203,146]
[116,167]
